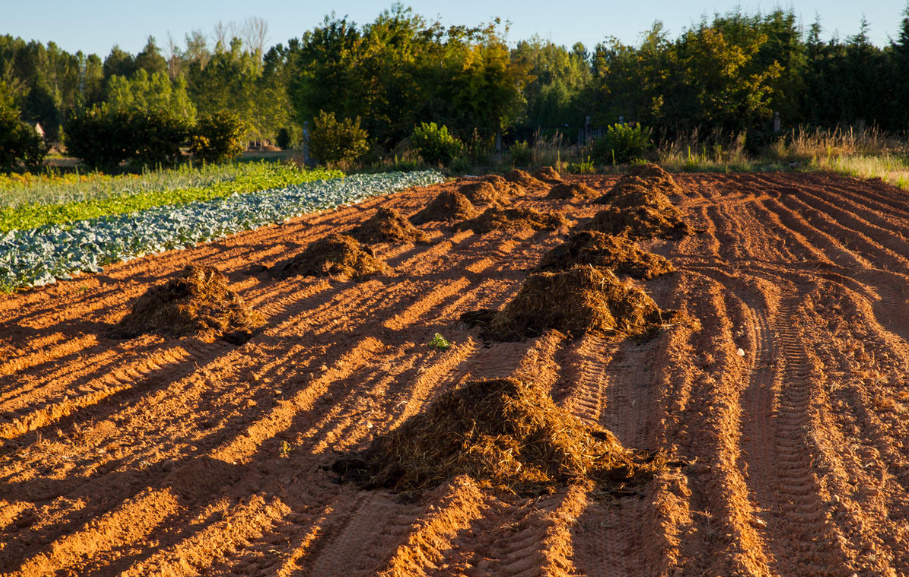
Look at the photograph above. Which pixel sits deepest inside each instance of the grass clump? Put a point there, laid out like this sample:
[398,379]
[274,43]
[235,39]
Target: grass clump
[503,433]
[334,255]
[510,219]
[578,301]
[195,302]
[387,225]
[447,206]
[600,250]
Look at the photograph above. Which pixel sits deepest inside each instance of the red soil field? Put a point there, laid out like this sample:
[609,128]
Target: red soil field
[785,385]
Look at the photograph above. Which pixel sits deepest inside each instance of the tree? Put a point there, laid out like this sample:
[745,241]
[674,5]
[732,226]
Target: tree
[150,59]
[19,143]
[219,137]
[334,141]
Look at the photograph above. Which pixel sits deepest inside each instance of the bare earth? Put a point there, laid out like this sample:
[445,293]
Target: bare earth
[184,457]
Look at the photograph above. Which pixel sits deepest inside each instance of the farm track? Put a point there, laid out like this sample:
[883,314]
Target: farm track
[782,382]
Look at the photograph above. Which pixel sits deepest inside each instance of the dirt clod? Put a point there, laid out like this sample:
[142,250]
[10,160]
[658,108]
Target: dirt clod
[496,218]
[447,206]
[597,249]
[548,174]
[387,225]
[195,302]
[334,255]
[505,433]
[565,191]
[577,301]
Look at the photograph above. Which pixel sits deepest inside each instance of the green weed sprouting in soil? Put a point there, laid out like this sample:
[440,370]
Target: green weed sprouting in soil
[439,342]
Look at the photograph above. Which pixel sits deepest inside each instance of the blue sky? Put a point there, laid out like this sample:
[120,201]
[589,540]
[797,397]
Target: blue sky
[96,25]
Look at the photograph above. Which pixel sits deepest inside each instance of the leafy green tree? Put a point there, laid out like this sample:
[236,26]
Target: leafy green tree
[150,59]
[334,141]
[156,93]
[435,144]
[119,63]
[899,68]
[557,84]
[219,137]
[19,143]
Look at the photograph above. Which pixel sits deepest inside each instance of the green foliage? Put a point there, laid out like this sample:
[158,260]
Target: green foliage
[582,167]
[521,153]
[400,70]
[334,141]
[219,137]
[103,139]
[283,139]
[435,144]
[55,200]
[99,140]
[622,143]
[439,342]
[19,143]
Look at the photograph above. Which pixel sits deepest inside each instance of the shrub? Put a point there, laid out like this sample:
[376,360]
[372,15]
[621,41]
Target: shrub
[521,153]
[435,144]
[102,139]
[219,137]
[334,141]
[283,140]
[19,142]
[156,138]
[621,144]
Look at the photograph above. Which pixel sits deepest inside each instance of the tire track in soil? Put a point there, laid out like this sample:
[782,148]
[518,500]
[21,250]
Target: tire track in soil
[777,433]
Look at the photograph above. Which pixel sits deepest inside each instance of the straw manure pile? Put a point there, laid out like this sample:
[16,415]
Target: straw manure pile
[479,192]
[597,249]
[504,433]
[565,191]
[510,219]
[195,302]
[548,174]
[657,177]
[447,206]
[522,178]
[387,225]
[640,223]
[577,301]
[334,255]
[503,186]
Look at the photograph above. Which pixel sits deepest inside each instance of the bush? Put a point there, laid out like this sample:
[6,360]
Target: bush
[622,143]
[435,144]
[19,142]
[156,138]
[100,140]
[283,140]
[334,141]
[521,153]
[219,137]
[103,139]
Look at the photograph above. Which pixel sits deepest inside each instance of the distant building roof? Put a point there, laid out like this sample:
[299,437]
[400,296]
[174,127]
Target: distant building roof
[39,129]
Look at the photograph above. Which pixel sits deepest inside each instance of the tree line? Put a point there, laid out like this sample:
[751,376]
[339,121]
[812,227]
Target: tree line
[732,72]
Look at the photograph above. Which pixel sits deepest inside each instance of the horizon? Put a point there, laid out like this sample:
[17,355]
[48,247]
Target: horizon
[123,26]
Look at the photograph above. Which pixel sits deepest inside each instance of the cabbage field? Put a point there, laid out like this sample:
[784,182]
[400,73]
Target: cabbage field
[44,254]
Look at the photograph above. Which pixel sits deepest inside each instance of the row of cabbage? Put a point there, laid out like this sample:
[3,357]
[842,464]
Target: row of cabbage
[39,256]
